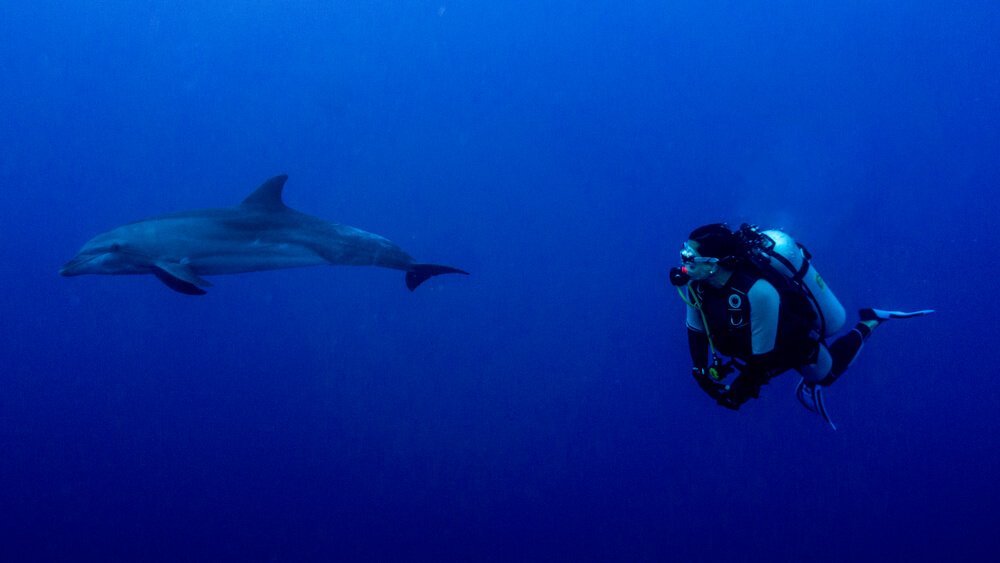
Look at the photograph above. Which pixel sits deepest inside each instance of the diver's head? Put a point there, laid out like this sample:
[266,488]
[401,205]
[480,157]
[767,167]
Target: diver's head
[709,250]
[695,266]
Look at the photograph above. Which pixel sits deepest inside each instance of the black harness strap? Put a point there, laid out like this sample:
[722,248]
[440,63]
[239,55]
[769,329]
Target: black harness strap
[797,280]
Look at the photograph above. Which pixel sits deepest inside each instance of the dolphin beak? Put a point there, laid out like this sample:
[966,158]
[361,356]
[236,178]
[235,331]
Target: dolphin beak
[72,268]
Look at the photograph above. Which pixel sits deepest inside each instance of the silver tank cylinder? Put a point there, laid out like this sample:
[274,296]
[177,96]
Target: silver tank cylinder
[832,312]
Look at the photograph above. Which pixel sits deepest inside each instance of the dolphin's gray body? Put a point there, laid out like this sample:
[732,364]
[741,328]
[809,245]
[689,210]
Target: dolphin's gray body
[261,233]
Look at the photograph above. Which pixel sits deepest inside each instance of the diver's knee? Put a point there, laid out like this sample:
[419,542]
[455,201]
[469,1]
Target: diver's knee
[820,369]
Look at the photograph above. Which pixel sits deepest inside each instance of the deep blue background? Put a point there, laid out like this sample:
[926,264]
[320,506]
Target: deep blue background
[540,409]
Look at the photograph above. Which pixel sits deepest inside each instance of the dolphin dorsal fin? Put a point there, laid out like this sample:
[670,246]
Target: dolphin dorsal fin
[268,195]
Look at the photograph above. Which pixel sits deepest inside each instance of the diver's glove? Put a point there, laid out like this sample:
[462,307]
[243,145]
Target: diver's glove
[731,396]
[711,387]
[731,401]
[742,389]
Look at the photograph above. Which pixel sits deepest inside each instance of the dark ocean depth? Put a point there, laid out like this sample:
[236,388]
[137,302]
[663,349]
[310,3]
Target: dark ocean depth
[542,408]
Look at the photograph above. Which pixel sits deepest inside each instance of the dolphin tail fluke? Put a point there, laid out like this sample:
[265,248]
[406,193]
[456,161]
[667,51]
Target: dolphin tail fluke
[419,273]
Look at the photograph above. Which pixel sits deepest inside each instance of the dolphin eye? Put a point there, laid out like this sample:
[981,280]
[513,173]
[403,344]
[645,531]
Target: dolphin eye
[115,247]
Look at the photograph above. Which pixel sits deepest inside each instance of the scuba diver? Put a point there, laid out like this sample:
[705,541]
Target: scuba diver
[755,297]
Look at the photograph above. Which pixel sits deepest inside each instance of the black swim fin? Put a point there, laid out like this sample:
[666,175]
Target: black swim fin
[419,273]
[810,395]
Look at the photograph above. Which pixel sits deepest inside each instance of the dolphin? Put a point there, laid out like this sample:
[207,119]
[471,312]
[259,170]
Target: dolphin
[262,233]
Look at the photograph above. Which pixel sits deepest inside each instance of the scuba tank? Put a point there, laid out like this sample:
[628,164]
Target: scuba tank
[778,252]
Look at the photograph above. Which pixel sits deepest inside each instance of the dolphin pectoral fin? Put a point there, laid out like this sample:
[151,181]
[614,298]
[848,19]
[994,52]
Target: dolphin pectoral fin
[177,284]
[180,277]
[183,272]
[419,273]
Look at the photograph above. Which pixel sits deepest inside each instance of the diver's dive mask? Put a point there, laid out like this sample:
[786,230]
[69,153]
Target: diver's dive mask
[693,267]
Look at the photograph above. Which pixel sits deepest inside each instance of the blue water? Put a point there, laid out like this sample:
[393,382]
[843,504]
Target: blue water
[540,409]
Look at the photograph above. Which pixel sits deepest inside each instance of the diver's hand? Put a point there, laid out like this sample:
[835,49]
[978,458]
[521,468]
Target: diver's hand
[711,387]
[741,390]
[730,401]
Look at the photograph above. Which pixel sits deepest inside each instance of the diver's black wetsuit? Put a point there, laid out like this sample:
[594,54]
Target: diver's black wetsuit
[771,331]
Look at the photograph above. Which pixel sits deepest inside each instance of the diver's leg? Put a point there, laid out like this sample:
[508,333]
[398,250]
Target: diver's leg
[846,348]
[822,364]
